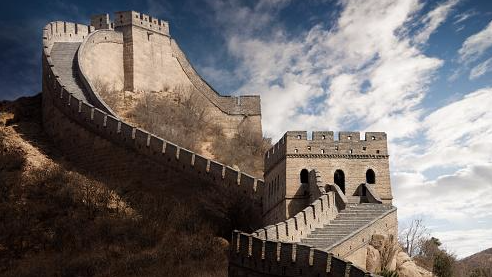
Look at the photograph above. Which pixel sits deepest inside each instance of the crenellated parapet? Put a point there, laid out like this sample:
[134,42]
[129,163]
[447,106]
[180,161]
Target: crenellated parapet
[130,18]
[324,145]
[259,257]
[141,20]
[61,31]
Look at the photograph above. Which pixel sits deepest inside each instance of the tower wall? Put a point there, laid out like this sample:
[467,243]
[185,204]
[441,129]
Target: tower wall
[149,61]
[348,153]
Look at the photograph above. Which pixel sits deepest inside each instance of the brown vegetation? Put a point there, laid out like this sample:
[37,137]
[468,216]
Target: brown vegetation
[56,221]
[178,115]
[429,253]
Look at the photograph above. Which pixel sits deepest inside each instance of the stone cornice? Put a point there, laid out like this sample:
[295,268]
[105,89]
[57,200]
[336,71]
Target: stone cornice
[338,156]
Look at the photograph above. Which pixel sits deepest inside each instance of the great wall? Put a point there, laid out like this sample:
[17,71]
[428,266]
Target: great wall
[315,225]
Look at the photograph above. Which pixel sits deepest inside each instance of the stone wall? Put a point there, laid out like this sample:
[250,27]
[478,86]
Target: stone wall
[353,247]
[101,59]
[252,256]
[294,152]
[61,106]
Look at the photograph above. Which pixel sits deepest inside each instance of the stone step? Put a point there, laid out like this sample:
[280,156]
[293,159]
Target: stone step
[348,220]
[326,236]
[355,216]
[64,57]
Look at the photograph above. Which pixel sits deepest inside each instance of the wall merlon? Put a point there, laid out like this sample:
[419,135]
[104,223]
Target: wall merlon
[270,232]
[271,253]
[302,135]
[303,255]
[126,131]
[258,249]
[216,170]
[201,164]
[156,145]
[87,111]
[281,230]
[323,135]
[231,176]
[185,157]
[141,139]
[245,245]
[349,136]
[112,126]
[171,152]
[98,118]
[247,182]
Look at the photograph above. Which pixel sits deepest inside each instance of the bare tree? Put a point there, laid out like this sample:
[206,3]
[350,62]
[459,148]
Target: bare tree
[413,237]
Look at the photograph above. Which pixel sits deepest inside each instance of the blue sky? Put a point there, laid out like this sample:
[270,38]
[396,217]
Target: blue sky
[418,70]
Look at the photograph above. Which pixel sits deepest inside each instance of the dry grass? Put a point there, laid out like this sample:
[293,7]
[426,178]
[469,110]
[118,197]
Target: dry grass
[59,222]
[178,115]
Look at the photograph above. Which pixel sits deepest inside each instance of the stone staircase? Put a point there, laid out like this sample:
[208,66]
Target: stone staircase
[354,217]
[65,60]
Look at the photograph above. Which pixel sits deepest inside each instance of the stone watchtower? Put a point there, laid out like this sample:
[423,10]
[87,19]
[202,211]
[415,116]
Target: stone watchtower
[147,52]
[348,162]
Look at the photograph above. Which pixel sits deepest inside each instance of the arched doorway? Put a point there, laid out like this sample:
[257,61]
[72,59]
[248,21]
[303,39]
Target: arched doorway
[370,176]
[304,176]
[339,179]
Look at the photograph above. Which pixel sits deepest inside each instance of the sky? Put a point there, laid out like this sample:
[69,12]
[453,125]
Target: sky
[418,70]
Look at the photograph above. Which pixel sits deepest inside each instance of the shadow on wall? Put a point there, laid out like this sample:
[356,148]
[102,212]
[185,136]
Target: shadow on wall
[302,195]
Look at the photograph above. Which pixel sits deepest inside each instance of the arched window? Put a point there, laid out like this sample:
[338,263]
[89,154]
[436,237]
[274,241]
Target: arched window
[370,176]
[339,179]
[304,176]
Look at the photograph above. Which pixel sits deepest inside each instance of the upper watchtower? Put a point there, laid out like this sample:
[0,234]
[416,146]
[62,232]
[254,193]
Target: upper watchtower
[346,161]
[147,52]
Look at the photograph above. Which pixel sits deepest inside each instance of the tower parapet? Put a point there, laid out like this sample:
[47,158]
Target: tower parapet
[324,144]
[131,18]
[141,20]
[101,21]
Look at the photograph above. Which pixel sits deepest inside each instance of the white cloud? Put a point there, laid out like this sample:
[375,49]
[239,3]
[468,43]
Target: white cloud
[464,16]
[315,81]
[457,134]
[466,242]
[461,197]
[368,71]
[481,69]
[434,19]
[475,45]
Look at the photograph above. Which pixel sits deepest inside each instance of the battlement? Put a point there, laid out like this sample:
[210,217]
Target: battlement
[101,21]
[329,136]
[272,258]
[325,144]
[61,31]
[125,18]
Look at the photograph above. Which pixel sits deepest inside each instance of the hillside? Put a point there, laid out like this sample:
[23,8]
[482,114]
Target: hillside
[60,220]
[478,264]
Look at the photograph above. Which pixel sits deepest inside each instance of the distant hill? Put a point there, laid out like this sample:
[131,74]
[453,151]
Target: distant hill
[478,264]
